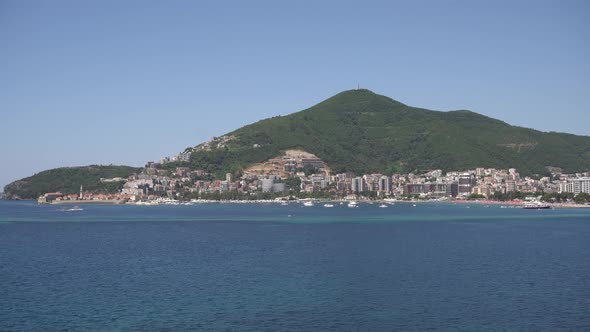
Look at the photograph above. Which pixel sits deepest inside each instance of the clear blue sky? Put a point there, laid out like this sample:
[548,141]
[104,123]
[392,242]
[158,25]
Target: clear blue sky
[124,82]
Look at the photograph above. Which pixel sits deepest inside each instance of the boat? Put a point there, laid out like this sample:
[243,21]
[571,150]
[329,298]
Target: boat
[284,203]
[75,208]
[352,204]
[328,205]
[382,206]
[308,203]
[536,206]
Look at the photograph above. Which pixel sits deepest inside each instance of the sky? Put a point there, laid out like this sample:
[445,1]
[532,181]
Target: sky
[125,82]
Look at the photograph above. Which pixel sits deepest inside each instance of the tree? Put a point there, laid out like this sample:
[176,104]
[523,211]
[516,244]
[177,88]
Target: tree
[475,196]
[582,198]
[293,182]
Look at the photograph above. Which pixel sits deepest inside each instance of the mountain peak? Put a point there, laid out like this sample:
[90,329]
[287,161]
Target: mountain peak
[365,132]
[359,93]
[358,96]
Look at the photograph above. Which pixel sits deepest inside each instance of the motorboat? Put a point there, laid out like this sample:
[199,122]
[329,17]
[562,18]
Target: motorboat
[535,206]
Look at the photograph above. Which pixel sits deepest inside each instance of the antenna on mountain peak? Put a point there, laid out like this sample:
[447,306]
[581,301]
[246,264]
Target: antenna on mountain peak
[358,86]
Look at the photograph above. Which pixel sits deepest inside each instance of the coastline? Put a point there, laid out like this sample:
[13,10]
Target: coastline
[518,203]
[514,204]
[82,202]
[315,200]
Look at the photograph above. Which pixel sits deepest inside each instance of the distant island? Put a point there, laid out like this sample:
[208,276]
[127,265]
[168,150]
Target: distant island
[357,144]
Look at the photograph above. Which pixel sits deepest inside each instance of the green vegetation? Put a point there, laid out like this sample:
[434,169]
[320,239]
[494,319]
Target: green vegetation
[513,195]
[557,197]
[581,198]
[293,182]
[475,197]
[363,132]
[68,180]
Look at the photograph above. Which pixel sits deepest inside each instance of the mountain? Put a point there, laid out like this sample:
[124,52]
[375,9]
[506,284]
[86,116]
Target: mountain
[357,131]
[68,180]
[364,132]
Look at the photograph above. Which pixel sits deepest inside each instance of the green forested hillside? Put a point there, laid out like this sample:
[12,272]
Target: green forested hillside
[68,180]
[363,132]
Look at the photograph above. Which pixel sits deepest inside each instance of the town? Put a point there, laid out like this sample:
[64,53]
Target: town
[300,175]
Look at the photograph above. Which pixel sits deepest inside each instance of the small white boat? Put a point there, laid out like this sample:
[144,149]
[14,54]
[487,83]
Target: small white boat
[352,204]
[413,204]
[75,208]
[308,203]
[536,206]
[328,205]
[382,206]
[284,203]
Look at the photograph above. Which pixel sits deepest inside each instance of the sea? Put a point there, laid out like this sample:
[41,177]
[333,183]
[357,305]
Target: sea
[268,267]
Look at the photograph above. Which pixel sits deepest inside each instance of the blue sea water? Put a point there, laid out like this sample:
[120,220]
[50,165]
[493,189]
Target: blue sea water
[239,267]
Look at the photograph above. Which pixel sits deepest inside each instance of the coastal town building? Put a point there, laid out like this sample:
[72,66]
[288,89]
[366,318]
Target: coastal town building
[49,197]
[385,184]
[358,185]
[466,184]
[300,173]
[575,185]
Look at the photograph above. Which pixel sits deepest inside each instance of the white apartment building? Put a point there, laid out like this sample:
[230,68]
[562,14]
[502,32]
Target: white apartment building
[575,185]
